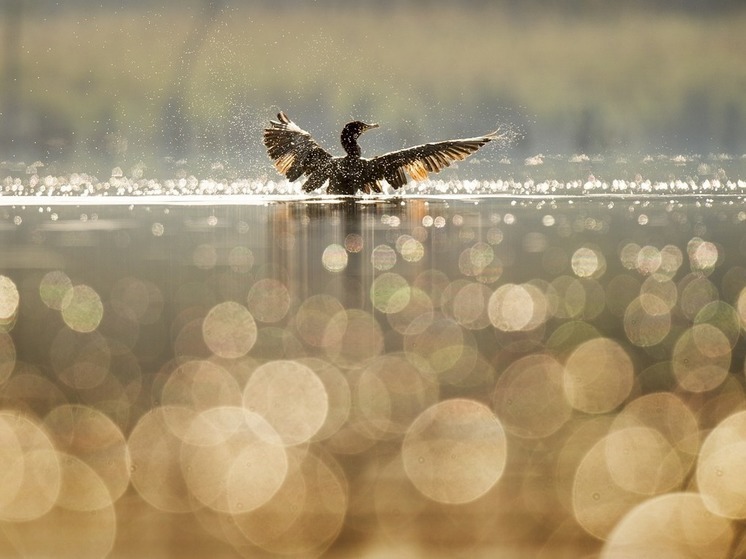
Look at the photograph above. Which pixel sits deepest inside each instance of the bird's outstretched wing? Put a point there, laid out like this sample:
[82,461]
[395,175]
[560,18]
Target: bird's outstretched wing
[418,161]
[294,152]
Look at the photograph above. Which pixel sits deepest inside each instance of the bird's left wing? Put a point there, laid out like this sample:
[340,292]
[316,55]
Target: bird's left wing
[417,161]
[294,152]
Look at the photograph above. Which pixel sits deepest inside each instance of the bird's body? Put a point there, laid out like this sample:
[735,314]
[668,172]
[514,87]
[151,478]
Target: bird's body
[347,175]
[295,153]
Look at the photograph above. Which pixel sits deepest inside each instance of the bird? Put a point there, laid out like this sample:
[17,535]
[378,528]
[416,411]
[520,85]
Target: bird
[295,154]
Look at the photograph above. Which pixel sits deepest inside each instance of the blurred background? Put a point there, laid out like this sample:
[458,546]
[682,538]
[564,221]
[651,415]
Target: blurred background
[557,374]
[89,85]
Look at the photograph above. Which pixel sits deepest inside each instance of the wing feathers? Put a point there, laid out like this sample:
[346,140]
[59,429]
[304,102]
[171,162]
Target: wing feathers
[418,161]
[316,180]
[293,151]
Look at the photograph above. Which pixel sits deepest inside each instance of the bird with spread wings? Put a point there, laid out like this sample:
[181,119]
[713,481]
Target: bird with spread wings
[295,154]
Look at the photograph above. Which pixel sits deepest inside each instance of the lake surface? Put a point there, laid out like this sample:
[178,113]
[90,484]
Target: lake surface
[527,370]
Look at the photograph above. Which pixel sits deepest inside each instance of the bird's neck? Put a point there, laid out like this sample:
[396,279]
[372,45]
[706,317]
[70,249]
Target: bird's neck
[349,143]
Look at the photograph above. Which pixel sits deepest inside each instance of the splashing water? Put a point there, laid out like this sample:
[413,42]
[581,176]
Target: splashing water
[538,175]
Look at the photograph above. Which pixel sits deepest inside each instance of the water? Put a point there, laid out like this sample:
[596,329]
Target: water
[540,175]
[520,366]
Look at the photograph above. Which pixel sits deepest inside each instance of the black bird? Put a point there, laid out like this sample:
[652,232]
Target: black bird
[295,153]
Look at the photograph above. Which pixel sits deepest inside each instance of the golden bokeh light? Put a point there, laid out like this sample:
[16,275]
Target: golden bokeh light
[470,306]
[31,486]
[9,301]
[720,468]
[53,288]
[513,308]
[290,397]
[571,297]
[647,320]
[701,358]
[668,415]
[232,460]
[416,377]
[241,259]
[598,376]
[695,293]
[390,293]
[672,259]
[661,287]
[720,481]
[588,262]
[415,316]
[642,461]
[723,317]
[93,442]
[433,283]
[338,392]
[703,255]
[82,309]
[155,448]
[268,300]
[29,392]
[648,260]
[440,343]
[410,248]
[390,393]
[313,317]
[455,451]
[334,258]
[200,385]
[383,258]
[229,330]
[353,243]
[352,338]
[529,397]
[305,515]
[673,525]
[628,255]
[81,488]
[598,502]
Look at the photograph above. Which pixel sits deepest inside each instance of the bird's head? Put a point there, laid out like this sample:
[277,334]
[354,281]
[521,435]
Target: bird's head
[355,128]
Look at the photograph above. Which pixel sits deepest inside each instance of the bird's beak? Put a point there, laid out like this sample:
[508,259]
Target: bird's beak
[369,126]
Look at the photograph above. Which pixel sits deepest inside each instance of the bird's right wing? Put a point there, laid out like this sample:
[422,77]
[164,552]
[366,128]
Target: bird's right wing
[417,161]
[294,152]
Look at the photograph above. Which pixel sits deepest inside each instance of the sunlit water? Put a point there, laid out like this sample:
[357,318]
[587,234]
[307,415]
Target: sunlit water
[538,175]
[197,367]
